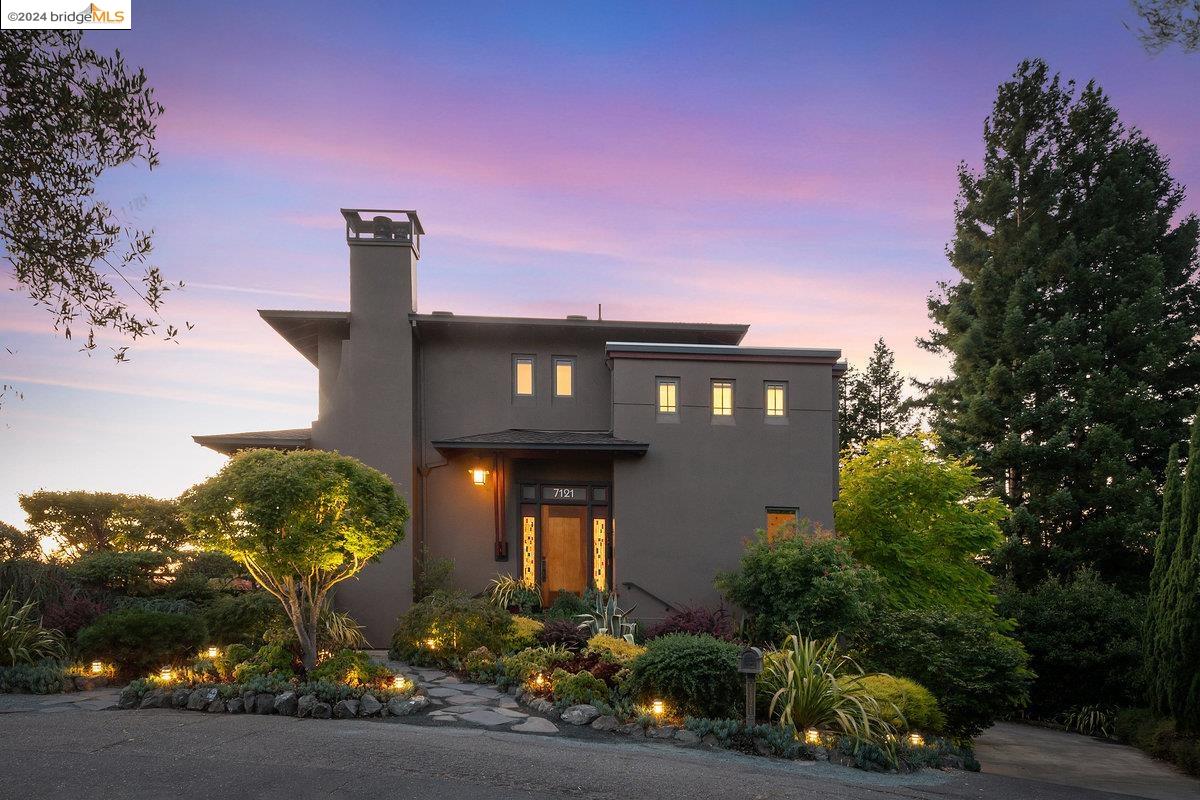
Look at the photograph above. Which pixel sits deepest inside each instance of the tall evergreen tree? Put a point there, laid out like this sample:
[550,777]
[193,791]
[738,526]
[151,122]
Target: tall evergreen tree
[1156,637]
[1181,622]
[873,404]
[1070,328]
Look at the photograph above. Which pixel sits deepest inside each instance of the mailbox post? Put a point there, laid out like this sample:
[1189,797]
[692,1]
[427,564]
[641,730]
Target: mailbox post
[750,664]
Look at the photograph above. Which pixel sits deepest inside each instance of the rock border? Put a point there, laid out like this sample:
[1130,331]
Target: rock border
[288,703]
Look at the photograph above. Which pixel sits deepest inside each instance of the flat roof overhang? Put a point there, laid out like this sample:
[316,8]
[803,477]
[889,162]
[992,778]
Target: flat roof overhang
[302,328]
[231,443]
[523,443]
[715,352]
[686,332]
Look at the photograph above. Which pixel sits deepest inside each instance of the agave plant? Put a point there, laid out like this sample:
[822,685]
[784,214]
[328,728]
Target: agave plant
[23,640]
[608,618]
[811,685]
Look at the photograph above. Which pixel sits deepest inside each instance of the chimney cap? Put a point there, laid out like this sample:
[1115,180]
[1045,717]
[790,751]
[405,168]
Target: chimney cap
[355,218]
[576,316]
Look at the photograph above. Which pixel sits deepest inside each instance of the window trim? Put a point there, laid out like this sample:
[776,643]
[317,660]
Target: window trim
[782,417]
[663,380]
[532,359]
[572,361]
[722,419]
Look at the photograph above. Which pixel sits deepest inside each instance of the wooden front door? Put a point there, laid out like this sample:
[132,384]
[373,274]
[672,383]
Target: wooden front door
[565,550]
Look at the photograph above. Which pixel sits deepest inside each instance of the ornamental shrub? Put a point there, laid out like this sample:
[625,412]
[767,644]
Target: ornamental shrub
[563,633]
[520,667]
[581,687]
[905,705]
[41,677]
[610,648]
[525,632]
[129,573]
[230,657]
[349,666]
[271,659]
[443,628]
[242,618]
[696,674]
[804,580]
[567,605]
[977,673]
[716,622]
[140,641]
[71,613]
[1082,636]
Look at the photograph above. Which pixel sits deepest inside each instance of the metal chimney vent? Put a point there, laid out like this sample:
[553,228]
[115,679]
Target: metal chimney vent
[382,227]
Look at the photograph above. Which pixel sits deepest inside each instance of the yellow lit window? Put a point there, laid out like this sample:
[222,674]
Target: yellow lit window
[779,520]
[776,402]
[722,398]
[528,551]
[599,555]
[668,396]
[564,377]
[523,377]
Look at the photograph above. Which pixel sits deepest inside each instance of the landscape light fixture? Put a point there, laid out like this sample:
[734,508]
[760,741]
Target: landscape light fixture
[166,673]
[658,708]
[212,652]
[916,740]
[812,736]
[97,667]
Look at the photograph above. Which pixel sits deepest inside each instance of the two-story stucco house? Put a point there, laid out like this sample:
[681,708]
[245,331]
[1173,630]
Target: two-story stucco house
[575,452]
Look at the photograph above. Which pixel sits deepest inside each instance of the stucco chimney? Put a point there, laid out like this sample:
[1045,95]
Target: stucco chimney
[385,246]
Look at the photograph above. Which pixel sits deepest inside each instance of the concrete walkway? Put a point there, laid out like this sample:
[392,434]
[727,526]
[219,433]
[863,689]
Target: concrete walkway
[1069,759]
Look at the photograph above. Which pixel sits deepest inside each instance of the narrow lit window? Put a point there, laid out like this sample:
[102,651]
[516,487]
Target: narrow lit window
[528,551]
[722,398]
[564,377]
[668,395]
[599,555]
[780,521]
[523,376]
[776,400]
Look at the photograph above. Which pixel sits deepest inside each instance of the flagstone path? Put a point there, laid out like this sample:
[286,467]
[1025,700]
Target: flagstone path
[456,701]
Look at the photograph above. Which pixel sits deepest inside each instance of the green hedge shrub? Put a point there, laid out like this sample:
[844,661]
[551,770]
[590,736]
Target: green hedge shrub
[349,666]
[130,573]
[242,618]
[977,673]
[582,687]
[141,641]
[696,674]
[906,705]
[271,659]
[801,580]
[443,628]
[1156,735]
[1083,638]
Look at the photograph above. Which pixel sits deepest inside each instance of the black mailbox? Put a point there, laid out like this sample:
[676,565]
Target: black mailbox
[751,661]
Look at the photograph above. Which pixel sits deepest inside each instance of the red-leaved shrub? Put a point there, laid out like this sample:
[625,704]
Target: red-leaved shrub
[71,612]
[716,622]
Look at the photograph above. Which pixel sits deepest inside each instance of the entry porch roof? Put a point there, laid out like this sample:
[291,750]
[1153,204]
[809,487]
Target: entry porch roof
[543,443]
[230,443]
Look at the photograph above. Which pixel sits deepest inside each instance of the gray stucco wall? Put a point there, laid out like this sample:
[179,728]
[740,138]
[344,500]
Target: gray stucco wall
[683,512]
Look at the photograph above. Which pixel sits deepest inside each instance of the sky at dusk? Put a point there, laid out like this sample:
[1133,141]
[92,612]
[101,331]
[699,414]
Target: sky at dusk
[787,165]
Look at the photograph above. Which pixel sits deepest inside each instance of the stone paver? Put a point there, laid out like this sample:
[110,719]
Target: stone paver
[485,717]
[95,700]
[535,725]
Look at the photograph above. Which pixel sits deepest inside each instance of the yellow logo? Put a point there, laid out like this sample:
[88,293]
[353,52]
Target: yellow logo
[100,15]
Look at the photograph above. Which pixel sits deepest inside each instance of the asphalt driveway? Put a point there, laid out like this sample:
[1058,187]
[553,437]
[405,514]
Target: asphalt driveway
[79,753]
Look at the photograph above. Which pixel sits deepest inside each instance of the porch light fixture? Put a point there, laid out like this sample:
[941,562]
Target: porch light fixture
[97,667]
[658,708]
[212,652]
[812,736]
[479,476]
[916,740]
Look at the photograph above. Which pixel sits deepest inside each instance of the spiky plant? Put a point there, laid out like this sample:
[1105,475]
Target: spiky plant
[340,630]
[608,618]
[23,640]
[811,685]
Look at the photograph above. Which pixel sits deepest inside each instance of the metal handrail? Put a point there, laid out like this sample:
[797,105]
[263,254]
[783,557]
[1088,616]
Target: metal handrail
[652,595]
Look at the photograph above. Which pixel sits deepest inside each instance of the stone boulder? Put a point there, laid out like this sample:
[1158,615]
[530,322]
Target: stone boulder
[234,706]
[215,707]
[633,730]
[684,736]
[285,703]
[199,699]
[368,706]
[581,714]
[264,703]
[399,707]
[541,705]
[128,699]
[180,697]
[155,698]
[346,709]
[322,710]
[248,702]
[606,722]
[304,706]
[664,732]
[420,702]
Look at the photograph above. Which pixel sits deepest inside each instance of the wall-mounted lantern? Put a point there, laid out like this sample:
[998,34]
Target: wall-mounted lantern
[750,664]
[479,476]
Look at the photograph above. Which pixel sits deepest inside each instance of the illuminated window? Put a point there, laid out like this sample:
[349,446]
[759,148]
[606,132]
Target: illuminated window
[779,520]
[564,377]
[528,551]
[776,400]
[668,395]
[722,398]
[599,554]
[523,376]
